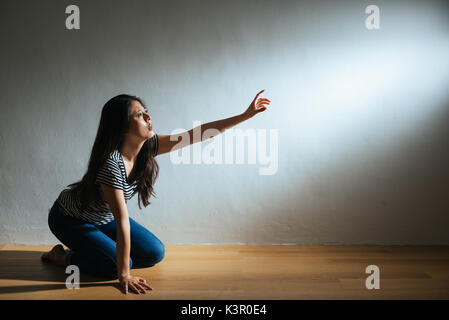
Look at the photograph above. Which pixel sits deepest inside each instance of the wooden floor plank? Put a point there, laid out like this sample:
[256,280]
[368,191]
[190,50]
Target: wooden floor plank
[245,272]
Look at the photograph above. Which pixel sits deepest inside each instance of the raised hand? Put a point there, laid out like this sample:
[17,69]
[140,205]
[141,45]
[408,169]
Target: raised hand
[257,105]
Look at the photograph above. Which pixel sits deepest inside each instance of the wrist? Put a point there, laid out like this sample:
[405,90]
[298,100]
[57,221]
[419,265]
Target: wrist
[245,116]
[123,276]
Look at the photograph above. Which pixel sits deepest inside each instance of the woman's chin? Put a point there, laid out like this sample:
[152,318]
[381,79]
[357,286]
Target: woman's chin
[151,135]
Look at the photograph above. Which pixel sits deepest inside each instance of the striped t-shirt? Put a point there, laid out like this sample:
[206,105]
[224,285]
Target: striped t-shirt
[113,174]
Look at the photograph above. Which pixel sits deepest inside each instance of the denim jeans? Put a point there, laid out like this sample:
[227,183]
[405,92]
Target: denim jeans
[93,247]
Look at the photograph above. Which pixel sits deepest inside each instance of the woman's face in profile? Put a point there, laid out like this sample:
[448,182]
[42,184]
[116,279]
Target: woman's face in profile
[140,121]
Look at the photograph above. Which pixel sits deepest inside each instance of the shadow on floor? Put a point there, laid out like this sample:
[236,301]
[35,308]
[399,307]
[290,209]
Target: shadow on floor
[46,287]
[28,266]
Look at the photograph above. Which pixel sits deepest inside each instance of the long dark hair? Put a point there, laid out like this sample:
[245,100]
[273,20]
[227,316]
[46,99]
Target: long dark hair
[114,121]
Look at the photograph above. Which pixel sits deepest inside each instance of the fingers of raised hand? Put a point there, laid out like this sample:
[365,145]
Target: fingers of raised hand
[263,101]
[257,95]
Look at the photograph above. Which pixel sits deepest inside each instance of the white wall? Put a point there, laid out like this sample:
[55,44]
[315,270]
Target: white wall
[361,115]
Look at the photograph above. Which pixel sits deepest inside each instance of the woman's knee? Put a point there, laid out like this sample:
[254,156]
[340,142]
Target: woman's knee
[151,255]
[159,253]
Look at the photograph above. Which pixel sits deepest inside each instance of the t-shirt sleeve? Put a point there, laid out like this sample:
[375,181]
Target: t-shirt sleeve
[110,174]
[155,144]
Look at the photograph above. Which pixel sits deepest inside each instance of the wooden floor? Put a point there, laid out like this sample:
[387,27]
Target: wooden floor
[245,272]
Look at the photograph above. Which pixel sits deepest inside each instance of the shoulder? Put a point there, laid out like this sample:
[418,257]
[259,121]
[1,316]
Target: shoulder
[114,156]
[113,160]
[111,172]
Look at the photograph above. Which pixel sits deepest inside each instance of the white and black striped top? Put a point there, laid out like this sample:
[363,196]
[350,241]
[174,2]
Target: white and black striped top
[113,174]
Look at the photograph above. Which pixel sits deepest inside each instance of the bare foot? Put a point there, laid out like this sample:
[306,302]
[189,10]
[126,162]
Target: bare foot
[56,255]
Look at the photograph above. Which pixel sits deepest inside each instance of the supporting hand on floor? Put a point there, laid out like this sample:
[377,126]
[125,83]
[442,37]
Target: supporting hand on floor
[135,284]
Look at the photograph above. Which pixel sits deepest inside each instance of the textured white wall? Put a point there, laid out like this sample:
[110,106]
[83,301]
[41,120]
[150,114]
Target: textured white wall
[361,115]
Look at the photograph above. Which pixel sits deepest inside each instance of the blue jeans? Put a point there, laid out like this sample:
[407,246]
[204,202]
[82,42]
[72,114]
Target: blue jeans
[93,247]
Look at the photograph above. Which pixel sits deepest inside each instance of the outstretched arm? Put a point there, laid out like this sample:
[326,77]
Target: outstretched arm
[168,143]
